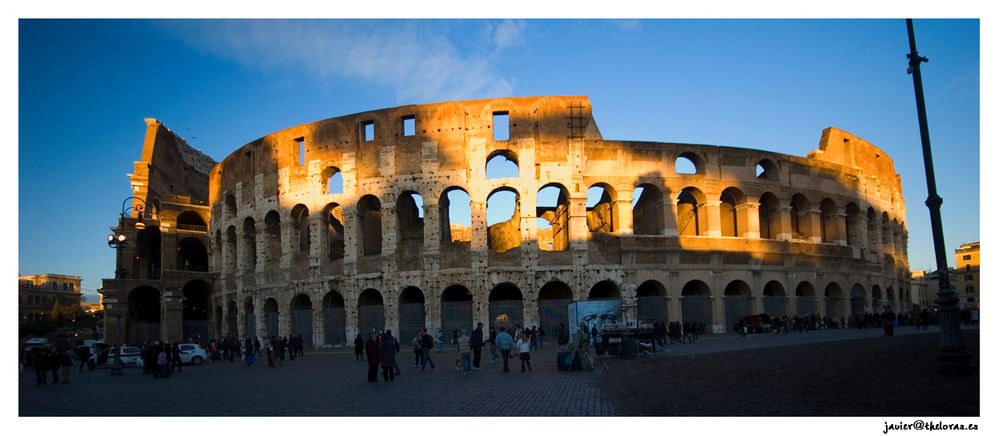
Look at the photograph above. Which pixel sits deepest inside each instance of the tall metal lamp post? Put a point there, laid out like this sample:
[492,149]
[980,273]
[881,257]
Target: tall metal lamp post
[953,355]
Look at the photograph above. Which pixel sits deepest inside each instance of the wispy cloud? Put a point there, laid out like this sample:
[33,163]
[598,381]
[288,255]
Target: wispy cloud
[417,60]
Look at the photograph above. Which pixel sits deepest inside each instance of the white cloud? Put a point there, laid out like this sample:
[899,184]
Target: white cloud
[415,59]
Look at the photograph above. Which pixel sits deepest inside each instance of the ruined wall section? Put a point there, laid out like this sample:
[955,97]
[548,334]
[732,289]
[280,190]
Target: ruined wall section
[170,167]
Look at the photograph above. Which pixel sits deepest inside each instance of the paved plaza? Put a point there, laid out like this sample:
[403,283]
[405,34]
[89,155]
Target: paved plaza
[331,383]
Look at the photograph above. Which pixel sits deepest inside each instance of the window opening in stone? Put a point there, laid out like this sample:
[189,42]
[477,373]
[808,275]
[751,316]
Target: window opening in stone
[409,125]
[409,216]
[301,150]
[647,210]
[687,163]
[334,181]
[503,219]
[766,169]
[733,217]
[369,213]
[272,225]
[691,215]
[369,131]
[553,218]
[800,214]
[830,220]
[769,216]
[334,231]
[600,214]
[456,216]
[502,164]
[230,250]
[249,245]
[300,221]
[501,126]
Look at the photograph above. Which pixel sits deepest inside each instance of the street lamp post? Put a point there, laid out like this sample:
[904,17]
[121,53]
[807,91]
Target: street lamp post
[953,355]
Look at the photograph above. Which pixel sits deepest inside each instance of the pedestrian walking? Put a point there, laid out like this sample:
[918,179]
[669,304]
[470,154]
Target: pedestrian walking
[505,343]
[427,344]
[164,364]
[417,349]
[65,362]
[562,334]
[175,357]
[373,354]
[358,348]
[256,345]
[525,352]
[248,353]
[40,363]
[475,342]
[395,366]
[464,351]
[492,344]
[83,353]
[54,365]
[387,351]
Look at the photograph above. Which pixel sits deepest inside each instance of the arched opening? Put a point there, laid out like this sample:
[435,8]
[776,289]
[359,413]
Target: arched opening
[695,303]
[371,312]
[334,180]
[890,299]
[218,322]
[872,229]
[689,163]
[250,317]
[604,290]
[412,313]
[506,306]
[300,228]
[691,216]
[369,217]
[409,231]
[830,221]
[456,308]
[195,315]
[503,219]
[800,213]
[501,164]
[334,231]
[272,223]
[876,304]
[143,322]
[249,245]
[769,216]
[858,300]
[600,213]
[887,236]
[647,210]
[853,217]
[553,305]
[192,255]
[553,218]
[271,317]
[456,216]
[738,303]
[191,220]
[232,319]
[805,299]
[230,250]
[147,254]
[230,206]
[301,318]
[334,319]
[835,301]
[766,169]
[774,299]
[651,302]
[733,212]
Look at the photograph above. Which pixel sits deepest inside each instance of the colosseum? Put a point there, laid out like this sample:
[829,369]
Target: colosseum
[384,219]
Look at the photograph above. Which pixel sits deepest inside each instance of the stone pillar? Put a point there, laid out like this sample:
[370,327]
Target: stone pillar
[390,235]
[748,213]
[713,213]
[284,318]
[317,325]
[669,218]
[811,221]
[784,232]
[623,213]
[578,231]
[171,315]
[288,241]
[841,236]
[258,314]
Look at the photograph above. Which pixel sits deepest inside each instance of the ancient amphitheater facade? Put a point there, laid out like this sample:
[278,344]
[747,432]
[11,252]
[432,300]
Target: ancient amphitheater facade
[345,225]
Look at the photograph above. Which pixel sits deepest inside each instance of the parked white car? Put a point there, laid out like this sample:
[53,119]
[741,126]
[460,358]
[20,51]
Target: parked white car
[130,356]
[192,354]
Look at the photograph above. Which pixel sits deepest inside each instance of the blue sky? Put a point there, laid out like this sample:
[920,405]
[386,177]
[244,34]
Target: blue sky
[85,87]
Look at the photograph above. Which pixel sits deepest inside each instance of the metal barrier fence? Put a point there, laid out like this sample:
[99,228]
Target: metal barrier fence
[551,312]
[412,318]
[194,328]
[652,308]
[271,318]
[455,314]
[371,317]
[251,325]
[696,308]
[506,312]
[805,306]
[301,322]
[143,332]
[335,326]
[736,307]
[775,305]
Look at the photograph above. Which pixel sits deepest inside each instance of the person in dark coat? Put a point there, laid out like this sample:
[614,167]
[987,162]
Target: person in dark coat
[374,355]
[175,358]
[358,348]
[476,342]
[387,349]
[40,363]
[256,345]
[54,365]
[83,353]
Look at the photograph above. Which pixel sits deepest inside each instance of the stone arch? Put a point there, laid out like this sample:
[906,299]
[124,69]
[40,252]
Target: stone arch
[191,220]
[230,256]
[830,220]
[858,300]
[774,299]
[854,237]
[732,210]
[301,318]
[553,305]
[601,216]
[249,244]
[271,317]
[250,318]
[805,298]
[890,298]
[148,261]
[455,217]
[835,301]
[652,301]
[369,235]
[801,209]
[767,169]
[691,215]
[738,302]
[272,227]
[232,319]
[770,222]
[456,307]
[218,321]
[332,180]
[412,313]
[604,290]
[192,255]
[695,303]
[335,236]
[143,319]
[502,163]
[647,211]
[334,319]
[231,211]
[506,305]
[872,228]
[876,302]
[553,217]
[504,236]
[688,162]
[409,231]
[370,311]
[196,317]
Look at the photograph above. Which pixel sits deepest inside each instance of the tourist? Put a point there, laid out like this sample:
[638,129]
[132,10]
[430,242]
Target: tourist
[475,342]
[358,348]
[83,353]
[562,335]
[53,365]
[65,362]
[256,345]
[39,361]
[164,364]
[417,348]
[387,350]
[248,353]
[505,343]
[175,354]
[525,352]
[465,351]
[492,344]
[371,349]
[541,337]
[271,355]
[427,343]
[395,340]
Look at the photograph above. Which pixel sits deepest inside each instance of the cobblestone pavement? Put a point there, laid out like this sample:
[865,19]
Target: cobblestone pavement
[333,384]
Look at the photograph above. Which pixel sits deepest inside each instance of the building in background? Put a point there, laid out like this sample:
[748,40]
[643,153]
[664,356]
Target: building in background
[91,307]
[967,261]
[36,294]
